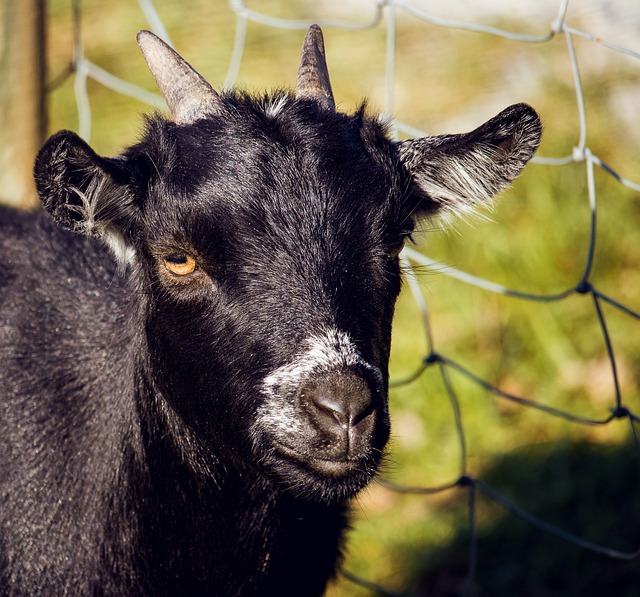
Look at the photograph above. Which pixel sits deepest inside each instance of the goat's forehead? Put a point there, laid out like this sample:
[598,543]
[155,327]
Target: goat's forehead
[274,171]
[275,133]
[296,212]
[279,187]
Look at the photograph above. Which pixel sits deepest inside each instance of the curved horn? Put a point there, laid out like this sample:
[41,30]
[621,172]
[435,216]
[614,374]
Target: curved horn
[188,96]
[313,76]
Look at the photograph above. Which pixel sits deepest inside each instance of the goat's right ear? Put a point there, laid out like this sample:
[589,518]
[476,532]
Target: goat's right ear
[85,192]
[455,173]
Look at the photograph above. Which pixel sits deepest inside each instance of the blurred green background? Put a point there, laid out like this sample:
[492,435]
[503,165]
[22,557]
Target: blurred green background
[582,478]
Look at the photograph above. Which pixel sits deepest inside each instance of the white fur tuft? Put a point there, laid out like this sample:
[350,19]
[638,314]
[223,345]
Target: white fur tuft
[92,225]
[329,351]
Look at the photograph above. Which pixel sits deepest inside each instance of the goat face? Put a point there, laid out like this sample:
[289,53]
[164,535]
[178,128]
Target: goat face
[264,234]
[292,223]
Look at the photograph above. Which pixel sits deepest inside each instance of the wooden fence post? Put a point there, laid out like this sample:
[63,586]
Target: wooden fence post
[23,111]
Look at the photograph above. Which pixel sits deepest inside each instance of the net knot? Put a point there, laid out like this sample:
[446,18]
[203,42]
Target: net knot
[583,287]
[620,412]
[465,481]
[433,358]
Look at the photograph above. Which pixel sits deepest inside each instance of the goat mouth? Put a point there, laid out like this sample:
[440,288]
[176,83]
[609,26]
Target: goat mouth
[317,474]
[337,467]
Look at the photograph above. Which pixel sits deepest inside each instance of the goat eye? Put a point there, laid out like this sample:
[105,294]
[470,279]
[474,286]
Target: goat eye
[180,264]
[395,251]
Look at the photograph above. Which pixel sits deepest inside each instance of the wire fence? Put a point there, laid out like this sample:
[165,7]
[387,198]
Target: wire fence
[384,15]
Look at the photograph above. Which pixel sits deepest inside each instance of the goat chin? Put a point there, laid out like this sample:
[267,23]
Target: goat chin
[319,480]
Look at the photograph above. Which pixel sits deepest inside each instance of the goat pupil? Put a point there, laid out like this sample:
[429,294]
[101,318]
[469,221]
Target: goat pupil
[179,264]
[177,258]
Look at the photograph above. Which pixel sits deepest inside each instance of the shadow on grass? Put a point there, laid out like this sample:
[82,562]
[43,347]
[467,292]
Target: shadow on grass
[590,490]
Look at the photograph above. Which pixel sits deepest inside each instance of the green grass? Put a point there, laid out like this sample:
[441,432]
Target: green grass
[582,478]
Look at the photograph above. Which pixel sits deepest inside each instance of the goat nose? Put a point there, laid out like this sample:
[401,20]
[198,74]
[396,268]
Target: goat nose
[341,401]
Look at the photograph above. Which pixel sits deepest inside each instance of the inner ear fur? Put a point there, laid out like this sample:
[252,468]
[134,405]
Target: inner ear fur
[84,192]
[455,173]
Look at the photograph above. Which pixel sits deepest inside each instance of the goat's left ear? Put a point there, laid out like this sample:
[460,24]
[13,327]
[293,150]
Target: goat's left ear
[454,173]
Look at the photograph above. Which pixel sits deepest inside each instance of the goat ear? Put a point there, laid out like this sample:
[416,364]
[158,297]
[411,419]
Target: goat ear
[454,173]
[86,193]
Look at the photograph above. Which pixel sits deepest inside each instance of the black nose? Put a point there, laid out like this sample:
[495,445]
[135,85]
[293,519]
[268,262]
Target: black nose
[341,404]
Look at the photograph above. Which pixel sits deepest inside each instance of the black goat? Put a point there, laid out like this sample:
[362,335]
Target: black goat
[199,425]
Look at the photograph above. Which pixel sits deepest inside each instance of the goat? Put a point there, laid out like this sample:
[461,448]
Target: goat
[194,335]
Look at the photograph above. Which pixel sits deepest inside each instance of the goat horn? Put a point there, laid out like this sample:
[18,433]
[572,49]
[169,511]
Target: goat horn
[188,96]
[313,76]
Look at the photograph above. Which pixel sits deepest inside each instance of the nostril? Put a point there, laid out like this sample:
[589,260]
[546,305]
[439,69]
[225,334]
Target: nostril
[349,411]
[344,400]
[328,405]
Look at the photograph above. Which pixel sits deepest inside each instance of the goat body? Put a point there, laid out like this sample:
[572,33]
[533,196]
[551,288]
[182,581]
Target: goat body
[199,424]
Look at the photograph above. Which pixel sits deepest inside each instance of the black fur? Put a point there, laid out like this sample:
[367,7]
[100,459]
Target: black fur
[133,458]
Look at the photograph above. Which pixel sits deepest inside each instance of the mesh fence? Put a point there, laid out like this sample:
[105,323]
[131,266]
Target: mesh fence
[576,35]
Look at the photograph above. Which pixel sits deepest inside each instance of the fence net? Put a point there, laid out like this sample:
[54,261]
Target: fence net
[516,400]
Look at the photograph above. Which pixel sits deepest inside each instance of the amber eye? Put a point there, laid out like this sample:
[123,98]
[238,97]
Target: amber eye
[179,264]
